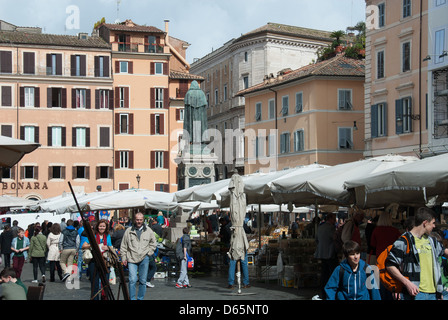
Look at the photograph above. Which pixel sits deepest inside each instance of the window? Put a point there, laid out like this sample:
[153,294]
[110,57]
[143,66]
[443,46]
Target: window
[6,96]
[7,173]
[271,109]
[158,160]
[29,133]
[406,56]
[299,140]
[78,65]
[246,56]
[157,123]
[380,65]
[345,138]
[123,94]
[124,159]
[159,94]
[80,172]
[345,99]
[101,66]
[56,98]
[299,102]
[225,93]
[56,172]
[124,42]
[29,172]
[28,63]
[5,62]
[104,172]
[245,82]
[284,142]
[440,2]
[151,45]
[403,113]
[162,187]
[272,145]
[6,130]
[29,96]
[123,67]
[258,111]
[103,100]
[81,139]
[124,123]
[80,100]
[56,137]
[406,8]
[378,120]
[158,68]
[216,96]
[381,15]
[285,105]
[439,46]
[104,137]
[54,64]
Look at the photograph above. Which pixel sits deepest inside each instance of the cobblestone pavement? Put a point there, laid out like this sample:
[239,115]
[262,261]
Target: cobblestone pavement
[207,286]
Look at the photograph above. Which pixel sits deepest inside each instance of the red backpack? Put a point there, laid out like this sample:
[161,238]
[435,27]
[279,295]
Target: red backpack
[386,278]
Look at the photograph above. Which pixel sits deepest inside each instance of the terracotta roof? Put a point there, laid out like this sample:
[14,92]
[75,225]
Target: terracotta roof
[339,66]
[290,30]
[184,75]
[129,26]
[16,37]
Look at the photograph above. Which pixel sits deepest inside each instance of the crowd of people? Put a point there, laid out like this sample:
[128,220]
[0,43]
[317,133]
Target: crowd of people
[418,265]
[60,246]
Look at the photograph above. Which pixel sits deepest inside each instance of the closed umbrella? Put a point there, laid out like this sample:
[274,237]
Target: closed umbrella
[238,240]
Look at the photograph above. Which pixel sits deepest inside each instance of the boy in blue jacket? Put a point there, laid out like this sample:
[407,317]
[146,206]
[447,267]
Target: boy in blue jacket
[352,280]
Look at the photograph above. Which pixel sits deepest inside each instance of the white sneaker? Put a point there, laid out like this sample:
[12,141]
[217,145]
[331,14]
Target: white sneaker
[149,285]
[34,281]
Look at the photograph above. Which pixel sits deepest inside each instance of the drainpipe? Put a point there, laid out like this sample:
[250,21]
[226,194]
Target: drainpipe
[420,81]
[275,122]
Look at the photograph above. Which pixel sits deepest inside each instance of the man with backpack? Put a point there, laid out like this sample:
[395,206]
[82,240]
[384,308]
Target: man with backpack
[413,260]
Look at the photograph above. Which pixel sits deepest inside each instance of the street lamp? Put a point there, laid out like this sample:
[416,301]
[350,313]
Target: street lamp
[138,181]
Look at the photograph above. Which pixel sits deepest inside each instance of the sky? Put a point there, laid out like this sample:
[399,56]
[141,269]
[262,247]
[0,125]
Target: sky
[205,24]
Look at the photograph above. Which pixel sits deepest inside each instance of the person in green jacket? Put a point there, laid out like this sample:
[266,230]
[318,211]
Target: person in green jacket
[9,275]
[38,246]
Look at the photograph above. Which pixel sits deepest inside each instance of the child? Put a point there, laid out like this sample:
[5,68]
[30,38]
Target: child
[349,280]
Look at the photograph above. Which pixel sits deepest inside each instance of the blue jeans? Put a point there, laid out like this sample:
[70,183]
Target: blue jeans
[138,272]
[152,268]
[420,296]
[244,271]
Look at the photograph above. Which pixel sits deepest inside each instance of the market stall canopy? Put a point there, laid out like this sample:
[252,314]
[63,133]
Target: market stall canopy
[13,202]
[12,150]
[256,187]
[203,192]
[326,186]
[418,183]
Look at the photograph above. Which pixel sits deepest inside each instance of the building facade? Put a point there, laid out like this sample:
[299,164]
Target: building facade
[243,62]
[396,118]
[313,114]
[54,91]
[437,77]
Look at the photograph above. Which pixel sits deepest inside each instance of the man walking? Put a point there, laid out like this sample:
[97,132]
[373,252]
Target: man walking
[68,244]
[137,246]
[418,271]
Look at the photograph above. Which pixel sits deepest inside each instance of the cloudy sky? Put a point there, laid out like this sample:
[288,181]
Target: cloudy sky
[205,24]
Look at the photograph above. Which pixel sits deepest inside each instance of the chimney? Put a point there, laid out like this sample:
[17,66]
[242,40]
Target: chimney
[167,29]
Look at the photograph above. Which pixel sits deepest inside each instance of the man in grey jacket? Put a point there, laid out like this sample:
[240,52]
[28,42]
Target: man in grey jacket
[137,245]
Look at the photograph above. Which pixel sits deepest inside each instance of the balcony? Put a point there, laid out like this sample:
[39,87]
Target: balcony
[139,47]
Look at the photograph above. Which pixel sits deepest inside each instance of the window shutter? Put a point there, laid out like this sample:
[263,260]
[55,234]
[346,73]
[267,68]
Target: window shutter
[152,124]
[374,120]
[64,136]
[22,96]
[153,98]
[59,64]
[131,159]
[83,66]
[117,123]
[73,98]
[6,96]
[37,97]
[49,136]
[36,134]
[131,123]
[410,114]
[153,159]
[385,118]
[49,63]
[399,116]
[49,98]
[64,98]
[166,98]
[96,71]
[22,133]
[117,66]
[162,123]
[130,67]
[166,159]
[117,97]
[165,68]
[177,114]
[73,65]
[152,68]
[106,66]
[126,97]
[73,137]
[87,137]
[88,99]
[111,99]
[117,159]
[97,99]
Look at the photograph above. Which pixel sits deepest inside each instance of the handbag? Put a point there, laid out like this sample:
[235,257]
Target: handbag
[87,255]
[190,262]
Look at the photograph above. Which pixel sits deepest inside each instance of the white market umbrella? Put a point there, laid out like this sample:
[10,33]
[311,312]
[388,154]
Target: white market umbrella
[12,150]
[256,187]
[326,186]
[415,184]
[10,201]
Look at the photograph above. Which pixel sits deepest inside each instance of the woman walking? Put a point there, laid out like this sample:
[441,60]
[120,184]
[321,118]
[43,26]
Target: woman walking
[53,251]
[38,247]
